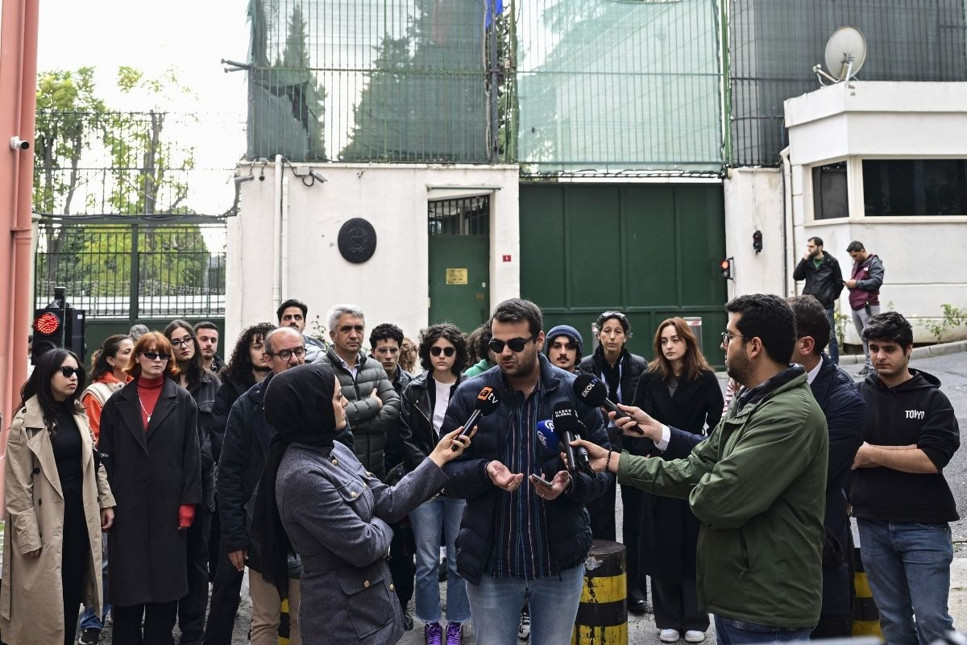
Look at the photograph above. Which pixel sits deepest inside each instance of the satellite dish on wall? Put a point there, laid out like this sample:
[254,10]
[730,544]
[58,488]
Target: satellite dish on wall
[845,55]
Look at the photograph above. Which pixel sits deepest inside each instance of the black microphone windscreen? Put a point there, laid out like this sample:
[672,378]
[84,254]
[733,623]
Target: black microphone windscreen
[590,390]
[487,401]
[566,418]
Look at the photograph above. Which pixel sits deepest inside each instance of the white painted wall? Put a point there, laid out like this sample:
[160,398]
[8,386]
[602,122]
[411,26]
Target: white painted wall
[392,285]
[922,255]
[753,201]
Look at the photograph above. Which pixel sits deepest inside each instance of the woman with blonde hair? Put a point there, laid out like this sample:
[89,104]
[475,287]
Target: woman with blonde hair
[149,433]
[52,551]
[681,390]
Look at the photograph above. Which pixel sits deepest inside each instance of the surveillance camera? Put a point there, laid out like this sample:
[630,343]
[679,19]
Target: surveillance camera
[318,177]
[17,144]
[242,179]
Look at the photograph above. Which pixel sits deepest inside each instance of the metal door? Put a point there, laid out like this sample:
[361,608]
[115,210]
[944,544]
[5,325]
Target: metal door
[459,247]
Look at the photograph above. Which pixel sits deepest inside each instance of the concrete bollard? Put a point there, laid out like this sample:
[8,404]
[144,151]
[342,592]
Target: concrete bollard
[284,623]
[866,617]
[603,613]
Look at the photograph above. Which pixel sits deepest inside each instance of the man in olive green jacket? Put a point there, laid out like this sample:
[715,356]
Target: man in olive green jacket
[757,484]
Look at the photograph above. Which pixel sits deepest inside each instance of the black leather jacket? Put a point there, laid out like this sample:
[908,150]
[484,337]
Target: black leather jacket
[416,421]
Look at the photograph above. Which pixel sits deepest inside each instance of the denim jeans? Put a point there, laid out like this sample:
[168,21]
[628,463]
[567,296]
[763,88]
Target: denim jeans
[496,605]
[430,520]
[860,318]
[833,349]
[738,632]
[88,619]
[908,566]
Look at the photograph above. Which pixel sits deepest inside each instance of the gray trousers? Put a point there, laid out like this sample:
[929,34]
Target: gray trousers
[860,318]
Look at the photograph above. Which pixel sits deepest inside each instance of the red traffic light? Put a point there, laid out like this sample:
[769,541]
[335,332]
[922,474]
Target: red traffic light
[725,265]
[47,323]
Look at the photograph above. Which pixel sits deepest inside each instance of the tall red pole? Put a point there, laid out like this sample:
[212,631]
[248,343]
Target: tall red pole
[18,105]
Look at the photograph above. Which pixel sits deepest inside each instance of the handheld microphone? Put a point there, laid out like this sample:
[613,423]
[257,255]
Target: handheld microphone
[485,404]
[568,428]
[547,437]
[595,393]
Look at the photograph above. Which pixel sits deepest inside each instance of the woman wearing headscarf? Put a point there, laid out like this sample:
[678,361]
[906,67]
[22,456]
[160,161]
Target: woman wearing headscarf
[149,432]
[681,390]
[317,499]
[52,550]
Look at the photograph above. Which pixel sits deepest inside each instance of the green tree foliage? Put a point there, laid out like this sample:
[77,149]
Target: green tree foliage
[425,97]
[94,161]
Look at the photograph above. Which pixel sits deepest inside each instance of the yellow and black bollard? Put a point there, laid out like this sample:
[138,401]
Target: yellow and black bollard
[603,613]
[866,617]
[284,623]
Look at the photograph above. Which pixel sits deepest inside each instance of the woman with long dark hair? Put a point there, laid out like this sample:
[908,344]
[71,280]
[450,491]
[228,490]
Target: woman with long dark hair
[107,376]
[202,384]
[681,390]
[149,431]
[620,370]
[317,499]
[52,551]
[443,355]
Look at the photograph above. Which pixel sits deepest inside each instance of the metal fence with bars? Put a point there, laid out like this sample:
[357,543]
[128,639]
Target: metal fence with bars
[773,45]
[133,270]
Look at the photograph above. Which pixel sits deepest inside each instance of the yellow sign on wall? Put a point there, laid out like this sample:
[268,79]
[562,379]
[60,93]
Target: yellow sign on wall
[456,276]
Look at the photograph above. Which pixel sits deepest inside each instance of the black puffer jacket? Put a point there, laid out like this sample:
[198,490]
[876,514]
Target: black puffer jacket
[416,420]
[371,422]
[824,283]
[228,392]
[568,524]
[632,367]
[247,437]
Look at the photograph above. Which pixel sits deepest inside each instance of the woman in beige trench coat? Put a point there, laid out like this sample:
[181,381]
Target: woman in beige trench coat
[57,502]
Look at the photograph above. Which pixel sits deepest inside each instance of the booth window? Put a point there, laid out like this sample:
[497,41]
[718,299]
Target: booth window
[914,187]
[830,191]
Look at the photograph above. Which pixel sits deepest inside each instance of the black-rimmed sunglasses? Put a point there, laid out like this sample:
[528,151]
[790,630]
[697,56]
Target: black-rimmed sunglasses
[516,344]
[446,351]
[69,371]
[151,356]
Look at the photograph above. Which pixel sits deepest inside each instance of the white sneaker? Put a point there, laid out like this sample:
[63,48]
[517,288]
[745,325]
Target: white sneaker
[670,635]
[694,636]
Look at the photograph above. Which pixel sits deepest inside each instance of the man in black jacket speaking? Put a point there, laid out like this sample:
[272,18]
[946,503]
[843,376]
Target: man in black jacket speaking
[900,497]
[824,281]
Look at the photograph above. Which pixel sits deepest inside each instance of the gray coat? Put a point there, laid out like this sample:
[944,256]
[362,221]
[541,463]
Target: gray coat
[337,516]
[372,422]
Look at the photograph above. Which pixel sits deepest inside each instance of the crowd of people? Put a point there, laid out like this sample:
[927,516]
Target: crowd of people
[337,471]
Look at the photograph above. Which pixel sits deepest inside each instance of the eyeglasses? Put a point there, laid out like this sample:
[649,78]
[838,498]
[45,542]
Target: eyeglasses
[446,351]
[153,356]
[286,354]
[726,337]
[178,342]
[69,371]
[516,344]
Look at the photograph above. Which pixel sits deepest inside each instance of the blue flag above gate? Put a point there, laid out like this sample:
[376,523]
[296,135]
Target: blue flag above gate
[494,9]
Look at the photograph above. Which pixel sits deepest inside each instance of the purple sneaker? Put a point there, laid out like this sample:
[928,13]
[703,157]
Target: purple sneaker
[454,634]
[434,634]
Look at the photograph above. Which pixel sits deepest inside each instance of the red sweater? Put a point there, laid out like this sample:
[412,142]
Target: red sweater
[149,389]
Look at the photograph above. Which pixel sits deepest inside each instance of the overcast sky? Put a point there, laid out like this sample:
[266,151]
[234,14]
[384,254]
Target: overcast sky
[190,36]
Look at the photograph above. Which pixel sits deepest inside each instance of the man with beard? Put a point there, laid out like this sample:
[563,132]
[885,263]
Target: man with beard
[564,347]
[824,281]
[207,334]
[524,534]
[292,313]
[754,484]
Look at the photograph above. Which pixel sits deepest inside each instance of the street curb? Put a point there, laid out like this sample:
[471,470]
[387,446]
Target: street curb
[939,349]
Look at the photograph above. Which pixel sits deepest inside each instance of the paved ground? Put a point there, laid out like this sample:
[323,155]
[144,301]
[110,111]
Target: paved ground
[950,368]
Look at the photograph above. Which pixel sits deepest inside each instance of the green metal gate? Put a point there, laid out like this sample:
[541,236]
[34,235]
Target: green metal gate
[124,273]
[651,251]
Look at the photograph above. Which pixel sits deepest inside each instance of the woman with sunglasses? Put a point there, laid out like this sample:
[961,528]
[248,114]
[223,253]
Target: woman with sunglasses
[680,390]
[443,354]
[619,370]
[149,433]
[203,385]
[52,550]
